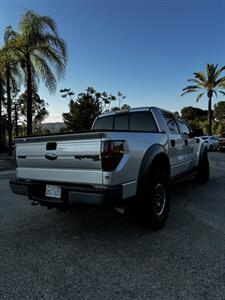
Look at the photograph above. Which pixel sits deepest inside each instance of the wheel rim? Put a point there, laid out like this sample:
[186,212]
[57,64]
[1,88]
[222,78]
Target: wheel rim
[159,199]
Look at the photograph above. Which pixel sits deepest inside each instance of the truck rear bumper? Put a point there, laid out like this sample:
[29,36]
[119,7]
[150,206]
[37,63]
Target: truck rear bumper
[71,194]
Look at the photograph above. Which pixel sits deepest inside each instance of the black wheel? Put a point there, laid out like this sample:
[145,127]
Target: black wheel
[210,148]
[203,172]
[154,206]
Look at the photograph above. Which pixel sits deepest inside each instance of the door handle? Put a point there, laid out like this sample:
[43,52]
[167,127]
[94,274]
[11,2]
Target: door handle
[51,156]
[173,143]
[186,142]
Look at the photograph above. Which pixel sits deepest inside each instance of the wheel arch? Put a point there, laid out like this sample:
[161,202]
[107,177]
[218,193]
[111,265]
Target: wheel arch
[155,158]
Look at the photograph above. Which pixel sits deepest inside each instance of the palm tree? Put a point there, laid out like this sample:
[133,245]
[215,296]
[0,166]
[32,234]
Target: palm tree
[10,75]
[2,83]
[43,55]
[208,83]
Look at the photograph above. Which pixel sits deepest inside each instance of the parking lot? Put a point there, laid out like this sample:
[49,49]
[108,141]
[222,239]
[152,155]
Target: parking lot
[95,253]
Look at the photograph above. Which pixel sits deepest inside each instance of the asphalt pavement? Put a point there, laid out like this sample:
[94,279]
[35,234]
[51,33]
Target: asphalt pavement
[96,253]
[7,163]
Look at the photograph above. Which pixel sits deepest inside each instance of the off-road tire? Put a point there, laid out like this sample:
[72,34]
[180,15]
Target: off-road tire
[154,204]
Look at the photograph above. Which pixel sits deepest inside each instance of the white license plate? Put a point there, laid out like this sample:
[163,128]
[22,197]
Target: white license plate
[53,191]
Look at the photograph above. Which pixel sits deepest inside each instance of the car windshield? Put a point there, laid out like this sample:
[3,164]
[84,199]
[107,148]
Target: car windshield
[204,137]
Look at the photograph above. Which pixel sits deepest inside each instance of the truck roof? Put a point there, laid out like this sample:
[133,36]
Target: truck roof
[135,109]
[144,108]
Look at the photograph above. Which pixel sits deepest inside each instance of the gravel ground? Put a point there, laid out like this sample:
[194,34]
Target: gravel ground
[95,253]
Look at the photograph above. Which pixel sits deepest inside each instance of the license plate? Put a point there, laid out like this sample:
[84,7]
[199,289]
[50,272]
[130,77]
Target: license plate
[53,191]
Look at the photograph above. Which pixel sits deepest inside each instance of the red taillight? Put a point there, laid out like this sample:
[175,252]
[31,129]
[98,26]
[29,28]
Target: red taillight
[111,154]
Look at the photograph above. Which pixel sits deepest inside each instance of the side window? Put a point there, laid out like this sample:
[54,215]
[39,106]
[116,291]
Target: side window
[121,122]
[142,121]
[172,126]
[183,127]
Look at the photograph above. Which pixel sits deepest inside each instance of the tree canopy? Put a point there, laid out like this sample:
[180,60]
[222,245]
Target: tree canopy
[85,107]
[82,111]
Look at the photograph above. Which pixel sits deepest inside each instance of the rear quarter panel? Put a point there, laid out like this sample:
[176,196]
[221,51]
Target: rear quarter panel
[136,145]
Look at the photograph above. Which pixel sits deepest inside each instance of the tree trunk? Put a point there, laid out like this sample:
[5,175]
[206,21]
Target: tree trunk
[1,125]
[16,121]
[210,113]
[9,109]
[29,98]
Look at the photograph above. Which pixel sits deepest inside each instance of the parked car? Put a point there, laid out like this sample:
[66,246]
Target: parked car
[128,158]
[211,142]
[222,142]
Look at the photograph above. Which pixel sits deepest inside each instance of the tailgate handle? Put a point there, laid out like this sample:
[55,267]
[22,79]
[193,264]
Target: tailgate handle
[51,156]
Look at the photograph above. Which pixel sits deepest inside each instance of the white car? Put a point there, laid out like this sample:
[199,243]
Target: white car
[211,142]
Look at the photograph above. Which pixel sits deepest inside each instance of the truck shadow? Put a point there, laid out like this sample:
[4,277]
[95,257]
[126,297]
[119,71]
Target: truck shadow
[101,223]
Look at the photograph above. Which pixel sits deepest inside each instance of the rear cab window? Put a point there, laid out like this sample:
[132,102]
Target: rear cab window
[121,122]
[142,121]
[104,123]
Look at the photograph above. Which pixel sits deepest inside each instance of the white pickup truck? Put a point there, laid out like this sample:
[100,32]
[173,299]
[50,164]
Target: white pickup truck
[128,157]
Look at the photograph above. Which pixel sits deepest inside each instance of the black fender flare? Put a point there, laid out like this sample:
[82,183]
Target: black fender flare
[146,165]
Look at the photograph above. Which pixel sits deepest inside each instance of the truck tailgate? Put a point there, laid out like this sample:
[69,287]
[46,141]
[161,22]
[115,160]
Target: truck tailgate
[62,158]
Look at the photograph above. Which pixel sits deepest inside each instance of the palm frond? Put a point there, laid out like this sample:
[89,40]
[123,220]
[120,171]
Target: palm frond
[189,91]
[219,71]
[201,76]
[45,73]
[191,87]
[215,92]
[9,34]
[210,70]
[49,23]
[56,43]
[220,81]
[197,82]
[54,58]
[199,96]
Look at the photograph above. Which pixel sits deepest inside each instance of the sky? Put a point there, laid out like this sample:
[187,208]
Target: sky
[147,49]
